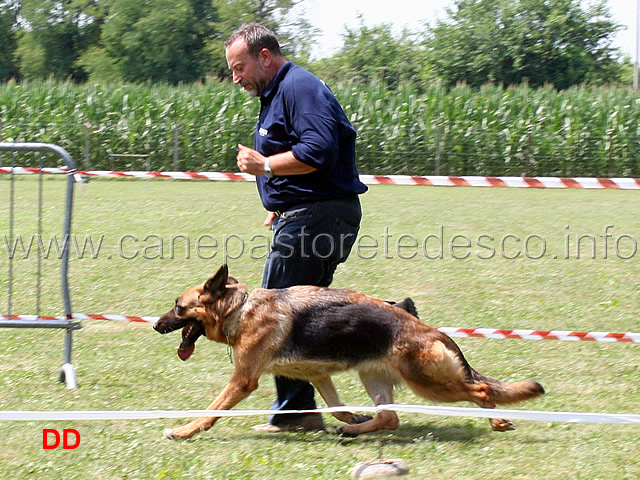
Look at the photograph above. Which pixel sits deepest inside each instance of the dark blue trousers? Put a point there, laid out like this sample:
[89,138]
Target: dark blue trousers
[309,242]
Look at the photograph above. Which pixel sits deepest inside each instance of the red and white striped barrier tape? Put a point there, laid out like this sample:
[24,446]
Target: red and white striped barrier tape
[83,316]
[428,180]
[216,176]
[514,182]
[563,335]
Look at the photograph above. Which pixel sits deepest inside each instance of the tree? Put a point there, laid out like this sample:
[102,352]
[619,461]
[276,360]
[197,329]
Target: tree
[8,40]
[53,36]
[158,40]
[134,41]
[510,41]
[373,54]
[295,34]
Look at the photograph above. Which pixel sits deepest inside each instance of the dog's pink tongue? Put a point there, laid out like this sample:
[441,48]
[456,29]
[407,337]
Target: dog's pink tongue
[185,353]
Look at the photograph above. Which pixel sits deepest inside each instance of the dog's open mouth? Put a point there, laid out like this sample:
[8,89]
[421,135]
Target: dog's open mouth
[190,334]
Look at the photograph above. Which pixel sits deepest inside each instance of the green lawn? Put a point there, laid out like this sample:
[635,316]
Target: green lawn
[466,277]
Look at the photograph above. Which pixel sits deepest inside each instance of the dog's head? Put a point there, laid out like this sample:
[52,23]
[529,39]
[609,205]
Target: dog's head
[200,310]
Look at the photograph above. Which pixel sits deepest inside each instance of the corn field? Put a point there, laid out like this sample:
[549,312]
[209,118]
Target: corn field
[583,131]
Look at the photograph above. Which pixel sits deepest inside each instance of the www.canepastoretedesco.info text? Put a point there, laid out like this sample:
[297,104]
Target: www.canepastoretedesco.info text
[439,245]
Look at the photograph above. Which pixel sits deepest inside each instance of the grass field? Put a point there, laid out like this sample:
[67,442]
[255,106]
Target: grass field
[496,258]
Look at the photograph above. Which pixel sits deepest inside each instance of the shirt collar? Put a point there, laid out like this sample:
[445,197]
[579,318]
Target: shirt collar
[272,87]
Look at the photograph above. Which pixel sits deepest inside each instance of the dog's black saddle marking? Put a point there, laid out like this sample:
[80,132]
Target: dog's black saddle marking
[343,332]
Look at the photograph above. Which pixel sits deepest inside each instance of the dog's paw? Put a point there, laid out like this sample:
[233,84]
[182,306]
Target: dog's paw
[173,434]
[345,432]
[502,425]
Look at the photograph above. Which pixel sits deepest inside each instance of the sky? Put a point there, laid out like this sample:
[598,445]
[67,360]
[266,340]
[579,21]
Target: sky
[331,17]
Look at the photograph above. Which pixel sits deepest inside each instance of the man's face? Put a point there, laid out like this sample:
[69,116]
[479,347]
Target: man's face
[248,71]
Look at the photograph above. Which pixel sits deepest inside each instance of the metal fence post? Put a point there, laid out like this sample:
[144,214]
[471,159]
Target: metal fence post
[87,145]
[438,149]
[67,372]
[176,145]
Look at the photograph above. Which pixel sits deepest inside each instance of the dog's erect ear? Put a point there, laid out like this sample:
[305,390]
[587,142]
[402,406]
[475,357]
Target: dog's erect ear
[218,282]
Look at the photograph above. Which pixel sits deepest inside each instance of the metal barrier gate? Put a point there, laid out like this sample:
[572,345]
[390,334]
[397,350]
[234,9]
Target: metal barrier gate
[67,371]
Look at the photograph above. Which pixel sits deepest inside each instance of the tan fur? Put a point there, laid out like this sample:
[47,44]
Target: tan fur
[258,325]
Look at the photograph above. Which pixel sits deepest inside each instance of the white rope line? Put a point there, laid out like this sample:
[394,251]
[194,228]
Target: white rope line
[541,416]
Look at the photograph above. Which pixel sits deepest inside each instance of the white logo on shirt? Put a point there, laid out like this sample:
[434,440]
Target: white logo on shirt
[263,132]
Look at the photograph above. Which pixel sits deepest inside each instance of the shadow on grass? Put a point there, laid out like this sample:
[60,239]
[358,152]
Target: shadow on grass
[405,434]
[410,433]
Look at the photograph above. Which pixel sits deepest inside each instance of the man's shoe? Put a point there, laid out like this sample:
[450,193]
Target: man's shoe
[308,423]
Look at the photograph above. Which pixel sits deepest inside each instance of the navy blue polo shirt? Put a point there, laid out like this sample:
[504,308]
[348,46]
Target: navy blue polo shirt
[299,113]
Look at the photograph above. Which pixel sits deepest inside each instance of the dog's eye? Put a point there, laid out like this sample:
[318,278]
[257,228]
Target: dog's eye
[178,310]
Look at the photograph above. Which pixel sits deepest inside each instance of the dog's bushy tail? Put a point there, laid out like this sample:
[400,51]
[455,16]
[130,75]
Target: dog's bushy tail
[510,392]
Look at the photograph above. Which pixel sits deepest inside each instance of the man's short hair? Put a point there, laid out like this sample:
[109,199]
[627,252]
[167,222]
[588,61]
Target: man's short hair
[257,37]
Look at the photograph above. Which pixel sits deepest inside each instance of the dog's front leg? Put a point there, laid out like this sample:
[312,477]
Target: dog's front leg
[239,387]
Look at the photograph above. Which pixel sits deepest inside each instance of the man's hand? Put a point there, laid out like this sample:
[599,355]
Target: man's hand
[250,161]
[268,222]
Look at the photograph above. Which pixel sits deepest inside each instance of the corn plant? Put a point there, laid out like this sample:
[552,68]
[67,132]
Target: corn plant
[582,131]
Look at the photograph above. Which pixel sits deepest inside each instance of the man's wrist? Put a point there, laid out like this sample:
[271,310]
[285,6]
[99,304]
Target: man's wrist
[267,168]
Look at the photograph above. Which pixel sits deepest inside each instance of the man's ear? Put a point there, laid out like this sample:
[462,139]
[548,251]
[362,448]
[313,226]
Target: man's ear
[265,57]
[218,282]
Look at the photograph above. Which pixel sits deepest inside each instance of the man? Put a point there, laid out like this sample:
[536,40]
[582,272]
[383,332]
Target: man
[303,157]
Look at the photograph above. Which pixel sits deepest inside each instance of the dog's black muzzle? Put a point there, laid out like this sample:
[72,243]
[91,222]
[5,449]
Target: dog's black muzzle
[192,329]
[170,323]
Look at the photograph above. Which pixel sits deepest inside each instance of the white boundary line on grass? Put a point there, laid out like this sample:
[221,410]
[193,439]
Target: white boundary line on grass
[541,416]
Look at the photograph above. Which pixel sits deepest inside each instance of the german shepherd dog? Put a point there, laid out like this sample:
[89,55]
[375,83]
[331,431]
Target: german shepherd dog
[310,333]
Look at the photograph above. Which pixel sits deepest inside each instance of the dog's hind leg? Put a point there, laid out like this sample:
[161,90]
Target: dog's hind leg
[441,374]
[483,397]
[460,391]
[328,391]
[380,389]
